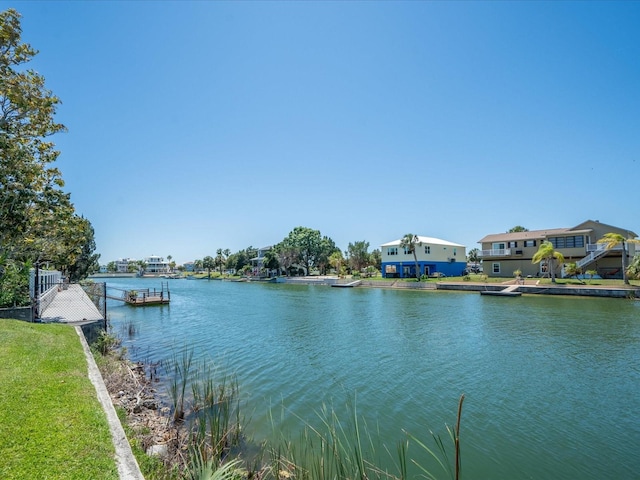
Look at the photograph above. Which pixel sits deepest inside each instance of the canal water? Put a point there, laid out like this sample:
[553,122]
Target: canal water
[551,384]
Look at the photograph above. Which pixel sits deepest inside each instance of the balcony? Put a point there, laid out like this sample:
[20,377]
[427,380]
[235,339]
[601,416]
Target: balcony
[597,247]
[500,252]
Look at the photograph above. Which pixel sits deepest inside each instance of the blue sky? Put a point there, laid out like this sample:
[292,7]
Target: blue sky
[202,125]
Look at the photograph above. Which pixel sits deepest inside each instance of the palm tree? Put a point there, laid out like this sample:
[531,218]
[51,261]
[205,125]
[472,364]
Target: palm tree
[610,240]
[573,271]
[409,242]
[547,253]
[219,259]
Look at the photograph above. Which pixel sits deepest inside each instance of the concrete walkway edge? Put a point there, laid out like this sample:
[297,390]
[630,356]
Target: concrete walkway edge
[128,467]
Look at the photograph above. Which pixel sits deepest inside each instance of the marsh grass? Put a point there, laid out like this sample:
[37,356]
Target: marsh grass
[354,450]
[179,370]
[216,418]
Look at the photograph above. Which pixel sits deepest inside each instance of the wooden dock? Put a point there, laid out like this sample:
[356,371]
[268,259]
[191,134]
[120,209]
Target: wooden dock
[143,297]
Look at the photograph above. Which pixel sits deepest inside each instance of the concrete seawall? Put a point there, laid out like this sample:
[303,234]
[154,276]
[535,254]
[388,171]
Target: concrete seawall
[574,290]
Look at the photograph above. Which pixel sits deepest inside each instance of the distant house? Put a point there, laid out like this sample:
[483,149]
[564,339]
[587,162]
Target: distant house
[103,269]
[122,264]
[435,256]
[156,264]
[189,266]
[257,263]
[504,253]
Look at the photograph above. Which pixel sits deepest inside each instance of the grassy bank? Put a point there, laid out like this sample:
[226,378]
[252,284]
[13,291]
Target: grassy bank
[51,423]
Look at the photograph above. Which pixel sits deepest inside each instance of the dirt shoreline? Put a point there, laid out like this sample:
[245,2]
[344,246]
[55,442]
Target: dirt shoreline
[147,419]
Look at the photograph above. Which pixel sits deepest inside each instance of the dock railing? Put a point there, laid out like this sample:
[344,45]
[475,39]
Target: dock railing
[43,286]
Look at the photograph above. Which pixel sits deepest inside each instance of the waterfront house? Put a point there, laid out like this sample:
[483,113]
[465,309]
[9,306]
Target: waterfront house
[189,266]
[435,257]
[257,263]
[504,253]
[122,264]
[156,265]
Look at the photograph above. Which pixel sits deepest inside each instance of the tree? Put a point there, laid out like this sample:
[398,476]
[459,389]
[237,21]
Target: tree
[85,262]
[335,260]
[634,267]
[409,243]
[209,263]
[376,258]
[611,240]
[473,255]
[327,247]
[309,245]
[572,271]
[358,253]
[38,220]
[547,254]
[28,184]
[219,259]
[270,261]
[517,228]
[287,256]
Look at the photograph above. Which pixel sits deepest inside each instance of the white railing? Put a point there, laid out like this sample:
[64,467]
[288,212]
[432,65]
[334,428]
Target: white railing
[596,247]
[47,286]
[596,250]
[499,252]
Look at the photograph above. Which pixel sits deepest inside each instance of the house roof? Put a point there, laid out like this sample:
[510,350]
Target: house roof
[584,227]
[530,235]
[426,240]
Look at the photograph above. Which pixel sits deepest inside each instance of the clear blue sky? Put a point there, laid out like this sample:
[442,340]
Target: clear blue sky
[202,125]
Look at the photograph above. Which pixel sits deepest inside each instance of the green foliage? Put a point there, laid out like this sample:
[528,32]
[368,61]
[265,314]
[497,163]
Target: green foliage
[409,242]
[517,228]
[358,254]
[14,283]
[38,219]
[634,268]
[572,270]
[474,255]
[611,240]
[547,253]
[105,343]
[308,247]
[209,264]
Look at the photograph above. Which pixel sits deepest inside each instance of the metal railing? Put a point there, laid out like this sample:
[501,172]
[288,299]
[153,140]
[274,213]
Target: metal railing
[498,252]
[43,286]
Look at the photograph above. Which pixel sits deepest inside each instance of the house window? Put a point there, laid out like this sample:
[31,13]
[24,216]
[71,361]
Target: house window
[455,251]
[407,251]
[392,251]
[529,243]
[499,246]
[495,268]
[427,249]
[567,242]
[513,244]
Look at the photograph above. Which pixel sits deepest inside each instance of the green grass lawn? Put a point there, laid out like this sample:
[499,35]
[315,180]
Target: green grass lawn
[51,423]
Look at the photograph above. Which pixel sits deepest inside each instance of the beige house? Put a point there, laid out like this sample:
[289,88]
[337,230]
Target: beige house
[504,253]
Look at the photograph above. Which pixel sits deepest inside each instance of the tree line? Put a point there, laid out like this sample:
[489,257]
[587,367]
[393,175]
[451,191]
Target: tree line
[38,222]
[303,251]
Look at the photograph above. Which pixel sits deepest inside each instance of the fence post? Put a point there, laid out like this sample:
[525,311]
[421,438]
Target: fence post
[36,293]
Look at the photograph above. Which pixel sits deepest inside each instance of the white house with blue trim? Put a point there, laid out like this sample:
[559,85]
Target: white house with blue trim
[435,256]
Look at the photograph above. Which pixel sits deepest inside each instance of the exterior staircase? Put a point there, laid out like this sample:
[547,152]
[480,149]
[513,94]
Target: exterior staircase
[596,251]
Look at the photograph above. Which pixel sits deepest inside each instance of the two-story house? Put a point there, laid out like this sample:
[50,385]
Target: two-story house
[156,264]
[504,253]
[435,256]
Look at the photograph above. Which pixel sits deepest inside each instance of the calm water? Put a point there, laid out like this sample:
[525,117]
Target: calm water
[552,384]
